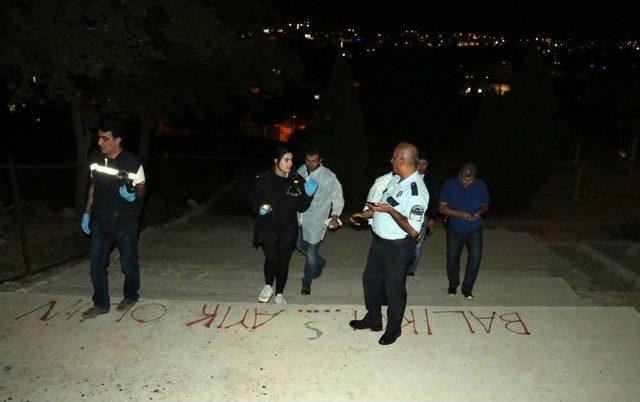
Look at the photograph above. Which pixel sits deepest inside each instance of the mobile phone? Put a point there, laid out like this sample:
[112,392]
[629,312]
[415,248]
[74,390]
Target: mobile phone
[360,221]
[369,203]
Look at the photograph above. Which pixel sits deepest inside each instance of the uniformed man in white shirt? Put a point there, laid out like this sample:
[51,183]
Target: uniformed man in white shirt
[379,185]
[328,200]
[397,221]
[375,192]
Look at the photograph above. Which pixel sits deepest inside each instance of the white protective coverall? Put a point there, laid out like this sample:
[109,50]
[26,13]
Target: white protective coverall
[327,199]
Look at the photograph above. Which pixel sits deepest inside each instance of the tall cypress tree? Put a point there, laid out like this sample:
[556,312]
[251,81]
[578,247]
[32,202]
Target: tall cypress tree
[338,131]
[516,138]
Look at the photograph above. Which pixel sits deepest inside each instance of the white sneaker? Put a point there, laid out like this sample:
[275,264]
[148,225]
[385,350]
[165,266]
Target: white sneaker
[280,299]
[265,294]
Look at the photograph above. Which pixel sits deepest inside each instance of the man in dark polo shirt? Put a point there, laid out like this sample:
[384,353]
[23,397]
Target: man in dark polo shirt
[464,199]
[111,216]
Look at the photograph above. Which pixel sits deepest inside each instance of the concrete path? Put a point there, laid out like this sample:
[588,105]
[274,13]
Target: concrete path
[198,333]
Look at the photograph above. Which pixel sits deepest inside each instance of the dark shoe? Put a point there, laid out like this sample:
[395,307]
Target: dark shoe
[319,270]
[93,312]
[125,305]
[306,289]
[411,274]
[389,337]
[468,296]
[362,324]
[452,291]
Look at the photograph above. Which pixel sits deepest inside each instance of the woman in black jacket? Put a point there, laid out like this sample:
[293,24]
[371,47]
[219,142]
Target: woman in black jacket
[277,195]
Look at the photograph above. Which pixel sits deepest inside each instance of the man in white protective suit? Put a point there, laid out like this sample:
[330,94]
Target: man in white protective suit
[323,213]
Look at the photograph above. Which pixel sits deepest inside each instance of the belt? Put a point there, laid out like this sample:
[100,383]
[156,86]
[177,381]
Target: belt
[397,241]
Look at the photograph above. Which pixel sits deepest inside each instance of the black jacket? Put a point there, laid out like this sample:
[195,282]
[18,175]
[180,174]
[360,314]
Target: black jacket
[286,196]
[108,207]
[434,185]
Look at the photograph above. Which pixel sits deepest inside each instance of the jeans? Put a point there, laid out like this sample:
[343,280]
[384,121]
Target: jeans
[314,262]
[103,239]
[473,243]
[413,266]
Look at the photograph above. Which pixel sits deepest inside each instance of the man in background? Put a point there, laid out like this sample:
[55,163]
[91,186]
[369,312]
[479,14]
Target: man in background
[433,187]
[464,199]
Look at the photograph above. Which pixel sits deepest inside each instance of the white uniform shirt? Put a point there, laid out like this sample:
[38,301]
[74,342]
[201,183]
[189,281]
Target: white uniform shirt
[376,191]
[327,199]
[381,183]
[409,197]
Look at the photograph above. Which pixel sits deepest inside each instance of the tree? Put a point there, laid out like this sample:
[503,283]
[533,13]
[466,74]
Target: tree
[616,93]
[338,131]
[68,50]
[516,137]
[209,65]
[148,60]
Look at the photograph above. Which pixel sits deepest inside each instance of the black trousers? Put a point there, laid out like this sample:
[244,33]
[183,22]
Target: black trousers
[384,280]
[473,242]
[276,265]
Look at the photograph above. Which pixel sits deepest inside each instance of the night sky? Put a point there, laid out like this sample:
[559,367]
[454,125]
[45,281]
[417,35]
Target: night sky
[566,18]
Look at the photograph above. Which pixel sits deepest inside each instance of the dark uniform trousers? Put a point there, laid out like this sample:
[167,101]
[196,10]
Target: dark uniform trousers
[384,280]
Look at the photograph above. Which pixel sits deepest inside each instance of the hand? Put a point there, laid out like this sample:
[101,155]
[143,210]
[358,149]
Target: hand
[381,207]
[466,216]
[86,217]
[310,187]
[131,197]
[355,218]
[334,224]
[430,226]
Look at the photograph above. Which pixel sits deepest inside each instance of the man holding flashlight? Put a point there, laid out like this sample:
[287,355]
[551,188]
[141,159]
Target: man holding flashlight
[114,202]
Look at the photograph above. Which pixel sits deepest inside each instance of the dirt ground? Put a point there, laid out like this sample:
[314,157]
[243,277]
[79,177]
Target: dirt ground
[607,198]
[53,239]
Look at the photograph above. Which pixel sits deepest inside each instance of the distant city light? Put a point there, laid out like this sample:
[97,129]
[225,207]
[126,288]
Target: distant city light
[468,90]
[12,108]
[34,79]
[316,97]
[479,90]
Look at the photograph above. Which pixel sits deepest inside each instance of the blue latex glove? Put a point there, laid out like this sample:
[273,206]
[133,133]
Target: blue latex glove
[262,211]
[310,187]
[131,197]
[85,223]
